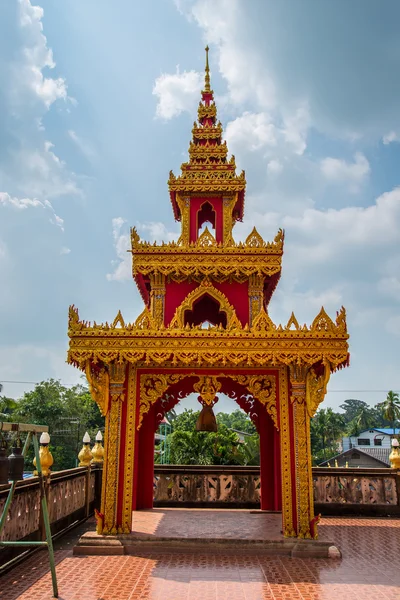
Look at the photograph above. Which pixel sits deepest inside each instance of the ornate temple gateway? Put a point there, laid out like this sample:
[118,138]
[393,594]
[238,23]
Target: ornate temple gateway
[138,372]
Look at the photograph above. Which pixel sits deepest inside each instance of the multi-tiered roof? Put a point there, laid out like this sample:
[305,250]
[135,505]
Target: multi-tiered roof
[208,169]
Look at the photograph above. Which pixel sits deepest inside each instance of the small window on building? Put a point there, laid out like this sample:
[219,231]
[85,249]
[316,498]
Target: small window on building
[355,456]
[363,442]
[378,442]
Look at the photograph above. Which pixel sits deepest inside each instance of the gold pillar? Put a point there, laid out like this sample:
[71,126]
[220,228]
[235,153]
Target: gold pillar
[286,462]
[110,484]
[158,297]
[131,433]
[302,441]
[256,288]
[228,220]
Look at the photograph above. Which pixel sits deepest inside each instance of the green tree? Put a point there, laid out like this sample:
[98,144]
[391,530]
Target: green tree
[364,419]
[352,408]
[68,412]
[237,420]
[251,449]
[390,408]
[7,408]
[327,427]
[191,447]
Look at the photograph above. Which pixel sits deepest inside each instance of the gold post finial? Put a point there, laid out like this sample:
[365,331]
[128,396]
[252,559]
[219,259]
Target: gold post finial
[207,75]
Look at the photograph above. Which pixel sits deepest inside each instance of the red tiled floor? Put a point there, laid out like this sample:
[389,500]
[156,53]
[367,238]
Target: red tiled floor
[368,570]
[207,523]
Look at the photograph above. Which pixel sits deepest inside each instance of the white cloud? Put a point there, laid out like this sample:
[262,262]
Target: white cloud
[295,129]
[28,77]
[374,225]
[177,93]
[84,147]
[390,137]
[65,250]
[38,172]
[251,131]
[157,232]
[152,232]
[21,204]
[339,171]
[123,268]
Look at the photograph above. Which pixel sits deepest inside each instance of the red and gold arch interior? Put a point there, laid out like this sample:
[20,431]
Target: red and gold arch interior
[138,371]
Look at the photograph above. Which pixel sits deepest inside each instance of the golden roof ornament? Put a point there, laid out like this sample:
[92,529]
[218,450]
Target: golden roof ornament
[207,87]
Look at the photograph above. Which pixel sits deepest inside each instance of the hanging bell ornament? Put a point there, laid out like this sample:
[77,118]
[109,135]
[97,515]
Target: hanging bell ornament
[206,420]
[16,463]
[4,465]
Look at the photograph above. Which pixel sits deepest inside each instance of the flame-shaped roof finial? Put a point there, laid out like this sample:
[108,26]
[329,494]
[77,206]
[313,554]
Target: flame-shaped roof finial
[207,87]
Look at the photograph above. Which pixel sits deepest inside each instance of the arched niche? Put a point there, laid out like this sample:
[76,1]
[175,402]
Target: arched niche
[205,309]
[206,215]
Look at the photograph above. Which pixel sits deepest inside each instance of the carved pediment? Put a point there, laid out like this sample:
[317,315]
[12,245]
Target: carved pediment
[254,240]
[206,239]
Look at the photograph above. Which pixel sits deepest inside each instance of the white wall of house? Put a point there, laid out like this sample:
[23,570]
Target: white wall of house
[371,438]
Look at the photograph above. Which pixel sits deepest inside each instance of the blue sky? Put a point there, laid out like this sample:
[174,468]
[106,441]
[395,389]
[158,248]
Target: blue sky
[97,101]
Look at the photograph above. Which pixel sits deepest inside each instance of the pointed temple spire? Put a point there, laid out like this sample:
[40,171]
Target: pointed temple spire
[208,169]
[207,73]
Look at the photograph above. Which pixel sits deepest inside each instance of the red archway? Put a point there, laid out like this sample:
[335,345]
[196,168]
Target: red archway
[270,467]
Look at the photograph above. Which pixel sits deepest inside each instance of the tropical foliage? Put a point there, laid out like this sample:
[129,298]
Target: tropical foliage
[68,411]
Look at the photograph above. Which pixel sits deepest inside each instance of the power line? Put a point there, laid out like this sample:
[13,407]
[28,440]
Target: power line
[35,382]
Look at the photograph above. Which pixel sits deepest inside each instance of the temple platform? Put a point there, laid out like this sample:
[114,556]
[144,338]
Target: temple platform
[205,530]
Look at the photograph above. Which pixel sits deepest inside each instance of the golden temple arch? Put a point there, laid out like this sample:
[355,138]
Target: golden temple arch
[138,371]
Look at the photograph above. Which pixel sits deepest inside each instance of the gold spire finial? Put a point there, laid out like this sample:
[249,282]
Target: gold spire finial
[207,75]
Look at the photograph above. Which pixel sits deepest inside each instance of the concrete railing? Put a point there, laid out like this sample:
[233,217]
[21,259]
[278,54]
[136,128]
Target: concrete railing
[71,496]
[336,491]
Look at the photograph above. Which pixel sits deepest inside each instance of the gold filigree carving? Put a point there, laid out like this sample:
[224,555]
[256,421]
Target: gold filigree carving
[299,375]
[207,387]
[118,321]
[205,287]
[117,371]
[130,429]
[263,389]
[256,287]
[98,380]
[152,387]
[263,323]
[286,462]
[206,239]
[146,320]
[110,469]
[323,323]
[157,297]
[292,323]
[254,240]
[316,387]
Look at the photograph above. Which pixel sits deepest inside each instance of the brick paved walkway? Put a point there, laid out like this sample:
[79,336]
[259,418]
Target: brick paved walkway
[369,570]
